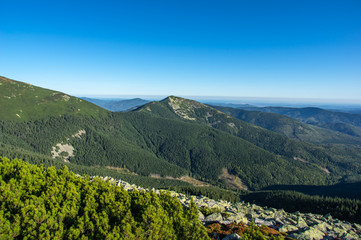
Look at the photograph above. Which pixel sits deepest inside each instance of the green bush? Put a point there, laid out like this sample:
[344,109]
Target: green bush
[39,203]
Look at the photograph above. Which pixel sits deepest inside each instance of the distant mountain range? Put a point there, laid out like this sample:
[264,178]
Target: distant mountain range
[295,129]
[353,108]
[171,138]
[346,123]
[117,105]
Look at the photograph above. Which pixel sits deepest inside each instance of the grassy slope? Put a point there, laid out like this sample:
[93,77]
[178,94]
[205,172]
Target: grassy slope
[23,102]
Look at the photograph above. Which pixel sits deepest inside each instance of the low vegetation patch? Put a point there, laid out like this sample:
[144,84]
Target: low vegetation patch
[39,203]
[219,231]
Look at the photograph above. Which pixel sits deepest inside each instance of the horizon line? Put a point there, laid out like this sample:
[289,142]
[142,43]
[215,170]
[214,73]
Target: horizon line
[233,99]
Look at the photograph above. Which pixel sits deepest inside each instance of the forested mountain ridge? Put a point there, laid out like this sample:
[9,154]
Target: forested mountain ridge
[23,102]
[175,137]
[347,123]
[150,145]
[291,127]
[195,112]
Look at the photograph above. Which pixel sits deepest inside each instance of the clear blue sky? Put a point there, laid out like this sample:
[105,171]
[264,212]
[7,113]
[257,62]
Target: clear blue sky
[250,48]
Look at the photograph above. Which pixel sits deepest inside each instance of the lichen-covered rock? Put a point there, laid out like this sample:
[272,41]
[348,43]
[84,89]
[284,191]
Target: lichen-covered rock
[238,207]
[214,217]
[200,215]
[309,234]
[312,221]
[268,223]
[350,236]
[341,228]
[237,218]
[301,223]
[291,221]
[322,227]
[280,214]
[288,228]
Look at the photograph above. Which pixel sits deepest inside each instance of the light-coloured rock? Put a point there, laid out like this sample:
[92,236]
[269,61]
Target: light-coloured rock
[280,214]
[313,221]
[225,222]
[238,218]
[200,215]
[214,217]
[291,221]
[301,223]
[351,235]
[322,227]
[237,207]
[302,226]
[279,221]
[288,228]
[310,234]
[340,228]
[264,222]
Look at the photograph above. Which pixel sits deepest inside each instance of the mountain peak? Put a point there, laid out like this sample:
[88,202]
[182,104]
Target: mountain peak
[171,98]
[184,108]
[184,101]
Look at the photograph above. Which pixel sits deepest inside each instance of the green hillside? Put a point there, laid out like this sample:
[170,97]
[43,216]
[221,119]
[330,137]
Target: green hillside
[295,151]
[23,102]
[290,127]
[205,151]
[151,145]
[172,138]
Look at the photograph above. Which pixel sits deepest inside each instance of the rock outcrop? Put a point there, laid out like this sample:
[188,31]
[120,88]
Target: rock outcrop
[296,225]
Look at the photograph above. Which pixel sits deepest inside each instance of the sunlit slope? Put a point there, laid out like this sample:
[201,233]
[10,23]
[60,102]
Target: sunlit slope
[205,152]
[147,144]
[194,112]
[174,138]
[22,102]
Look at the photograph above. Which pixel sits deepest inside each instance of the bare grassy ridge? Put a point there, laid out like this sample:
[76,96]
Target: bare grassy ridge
[23,102]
